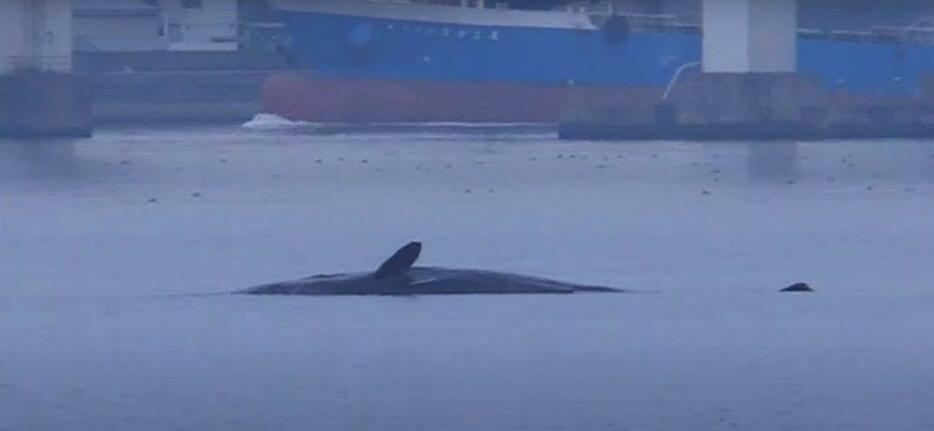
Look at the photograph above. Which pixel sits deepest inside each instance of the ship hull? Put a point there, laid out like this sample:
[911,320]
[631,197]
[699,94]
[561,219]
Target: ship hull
[302,96]
[371,62]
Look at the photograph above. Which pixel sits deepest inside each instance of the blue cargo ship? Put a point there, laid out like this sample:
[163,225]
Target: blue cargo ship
[382,61]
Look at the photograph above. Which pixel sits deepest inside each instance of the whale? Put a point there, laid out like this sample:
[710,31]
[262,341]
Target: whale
[398,276]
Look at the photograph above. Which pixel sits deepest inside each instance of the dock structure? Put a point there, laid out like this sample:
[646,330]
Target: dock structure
[748,86]
[748,83]
[39,94]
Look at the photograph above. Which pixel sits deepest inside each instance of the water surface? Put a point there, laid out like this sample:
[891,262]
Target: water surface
[108,245]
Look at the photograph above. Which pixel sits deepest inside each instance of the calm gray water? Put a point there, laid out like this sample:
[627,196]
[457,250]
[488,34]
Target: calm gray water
[109,245]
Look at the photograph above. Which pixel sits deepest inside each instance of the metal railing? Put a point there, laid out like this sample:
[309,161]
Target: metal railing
[676,76]
[921,31]
[645,22]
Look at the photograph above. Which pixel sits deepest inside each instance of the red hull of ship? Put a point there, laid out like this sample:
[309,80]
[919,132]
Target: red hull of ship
[300,96]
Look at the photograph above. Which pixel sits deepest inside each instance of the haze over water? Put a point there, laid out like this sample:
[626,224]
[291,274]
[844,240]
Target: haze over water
[109,245]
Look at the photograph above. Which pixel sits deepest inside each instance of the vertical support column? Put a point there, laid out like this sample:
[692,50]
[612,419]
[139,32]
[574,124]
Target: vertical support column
[37,36]
[49,35]
[749,85]
[742,36]
[12,34]
[39,96]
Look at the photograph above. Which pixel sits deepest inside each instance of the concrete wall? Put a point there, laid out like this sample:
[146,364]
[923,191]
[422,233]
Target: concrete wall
[749,36]
[39,96]
[12,33]
[56,37]
[726,29]
[44,105]
[773,36]
[211,27]
[35,35]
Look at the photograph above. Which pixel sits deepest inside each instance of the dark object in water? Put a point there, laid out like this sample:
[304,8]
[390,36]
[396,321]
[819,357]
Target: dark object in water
[397,276]
[797,288]
[400,261]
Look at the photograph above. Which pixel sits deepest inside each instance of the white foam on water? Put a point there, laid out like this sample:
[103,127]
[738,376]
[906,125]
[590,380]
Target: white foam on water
[465,125]
[273,122]
[265,121]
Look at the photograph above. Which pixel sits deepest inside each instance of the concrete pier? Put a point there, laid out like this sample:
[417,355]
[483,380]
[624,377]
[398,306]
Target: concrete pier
[750,36]
[748,87]
[39,95]
[44,104]
[753,106]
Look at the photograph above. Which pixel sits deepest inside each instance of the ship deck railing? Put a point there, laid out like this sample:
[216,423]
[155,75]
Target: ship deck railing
[910,34]
[647,22]
[880,34]
[919,32]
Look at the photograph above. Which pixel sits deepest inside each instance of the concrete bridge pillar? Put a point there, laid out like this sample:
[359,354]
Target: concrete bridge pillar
[749,36]
[39,96]
[36,35]
[749,75]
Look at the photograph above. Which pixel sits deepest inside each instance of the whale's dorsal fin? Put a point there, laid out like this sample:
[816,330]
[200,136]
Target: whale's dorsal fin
[401,261]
